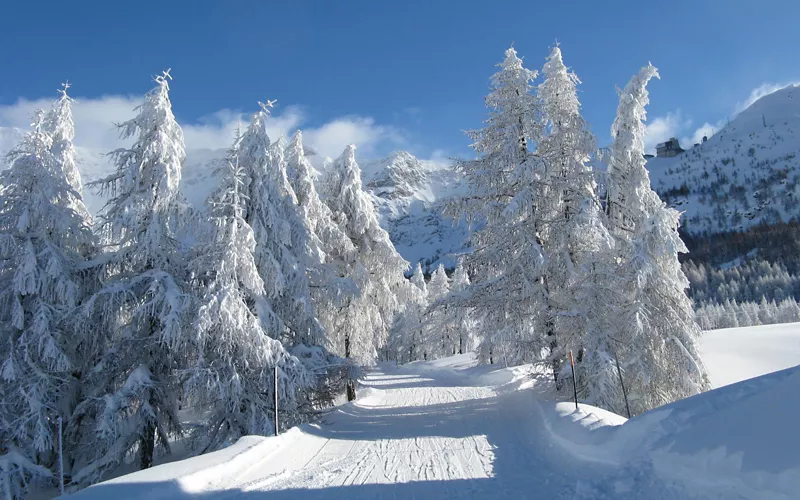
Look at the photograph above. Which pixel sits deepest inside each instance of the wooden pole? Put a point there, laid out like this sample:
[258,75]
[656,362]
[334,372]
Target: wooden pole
[61,455]
[276,400]
[574,383]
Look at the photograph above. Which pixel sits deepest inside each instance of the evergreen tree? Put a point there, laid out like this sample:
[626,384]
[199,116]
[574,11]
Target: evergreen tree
[231,376]
[140,309]
[460,317]
[440,331]
[282,241]
[45,238]
[509,293]
[378,270]
[658,333]
[330,253]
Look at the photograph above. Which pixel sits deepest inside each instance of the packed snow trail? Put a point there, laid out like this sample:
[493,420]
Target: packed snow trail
[419,431]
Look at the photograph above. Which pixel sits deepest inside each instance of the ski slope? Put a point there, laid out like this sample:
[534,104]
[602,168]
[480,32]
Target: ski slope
[449,429]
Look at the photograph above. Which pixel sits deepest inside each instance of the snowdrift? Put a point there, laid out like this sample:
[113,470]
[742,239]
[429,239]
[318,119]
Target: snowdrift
[737,441]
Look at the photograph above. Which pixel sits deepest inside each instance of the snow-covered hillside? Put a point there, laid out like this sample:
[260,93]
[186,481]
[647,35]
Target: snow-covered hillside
[410,196]
[450,429]
[745,174]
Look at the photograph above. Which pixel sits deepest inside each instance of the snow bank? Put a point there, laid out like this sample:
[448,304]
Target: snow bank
[193,475]
[742,437]
[738,441]
[589,432]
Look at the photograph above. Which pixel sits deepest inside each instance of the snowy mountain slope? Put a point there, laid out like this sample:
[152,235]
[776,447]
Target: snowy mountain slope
[450,429]
[747,173]
[410,195]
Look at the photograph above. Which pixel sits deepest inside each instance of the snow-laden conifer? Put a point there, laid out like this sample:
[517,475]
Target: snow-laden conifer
[282,241]
[440,333]
[657,331]
[140,311]
[379,269]
[230,375]
[44,240]
[508,293]
[575,237]
[330,253]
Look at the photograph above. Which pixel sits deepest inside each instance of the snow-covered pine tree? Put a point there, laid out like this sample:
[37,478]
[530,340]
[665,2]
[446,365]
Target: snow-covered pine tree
[628,182]
[331,255]
[459,317]
[282,241]
[61,128]
[378,271]
[407,333]
[658,345]
[45,238]
[230,375]
[579,271]
[508,294]
[440,333]
[140,311]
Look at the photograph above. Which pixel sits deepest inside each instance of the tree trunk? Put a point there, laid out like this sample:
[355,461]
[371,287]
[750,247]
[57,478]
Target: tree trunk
[351,388]
[147,444]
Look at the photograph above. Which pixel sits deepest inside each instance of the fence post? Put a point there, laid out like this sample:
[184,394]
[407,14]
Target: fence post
[60,456]
[276,400]
[574,383]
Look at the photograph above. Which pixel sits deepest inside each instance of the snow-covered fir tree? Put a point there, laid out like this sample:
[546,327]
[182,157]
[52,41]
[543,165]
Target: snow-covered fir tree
[331,254]
[61,128]
[232,357]
[45,238]
[282,241]
[407,335]
[460,318]
[378,270]
[657,331]
[508,293]
[440,333]
[139,313]
[575,238]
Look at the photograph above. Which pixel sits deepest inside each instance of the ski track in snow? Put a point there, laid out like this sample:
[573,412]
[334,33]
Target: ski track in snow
[418,431]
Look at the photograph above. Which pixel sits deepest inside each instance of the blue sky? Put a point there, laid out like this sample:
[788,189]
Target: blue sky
[391,75]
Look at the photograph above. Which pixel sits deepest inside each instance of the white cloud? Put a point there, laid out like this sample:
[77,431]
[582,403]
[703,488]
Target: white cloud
[331,138]
[759,92]
[95,119]
[663,128]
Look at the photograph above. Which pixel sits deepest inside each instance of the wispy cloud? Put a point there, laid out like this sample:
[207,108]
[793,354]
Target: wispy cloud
[759,92]
[663,128]
[95,119]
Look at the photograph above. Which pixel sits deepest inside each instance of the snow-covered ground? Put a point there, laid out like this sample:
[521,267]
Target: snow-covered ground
[450,429]
[735,354]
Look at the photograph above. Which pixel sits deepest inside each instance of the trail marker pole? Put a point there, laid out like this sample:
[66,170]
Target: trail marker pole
[60,456]
[574,384]
[276,400]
